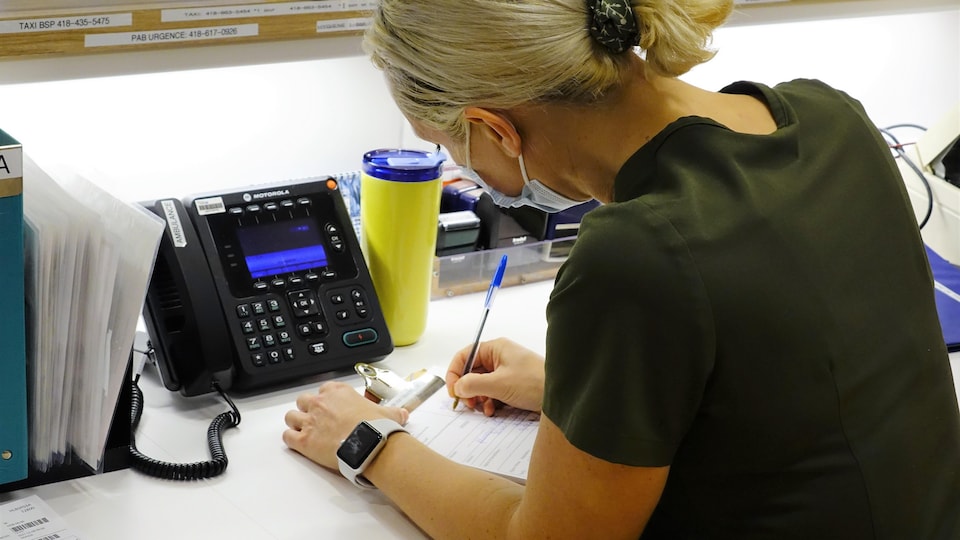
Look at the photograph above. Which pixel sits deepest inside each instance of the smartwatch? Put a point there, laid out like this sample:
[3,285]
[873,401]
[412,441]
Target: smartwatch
[358,450]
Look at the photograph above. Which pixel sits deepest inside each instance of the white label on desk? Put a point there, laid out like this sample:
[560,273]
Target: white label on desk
[344,25]
[32,519]
[59,24]
[176,35]
[265,10]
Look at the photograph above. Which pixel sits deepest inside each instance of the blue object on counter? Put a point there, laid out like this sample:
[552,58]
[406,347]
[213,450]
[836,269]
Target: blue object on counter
[946,278]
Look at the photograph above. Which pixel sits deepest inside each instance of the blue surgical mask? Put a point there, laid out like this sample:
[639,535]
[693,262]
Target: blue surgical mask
[534,193]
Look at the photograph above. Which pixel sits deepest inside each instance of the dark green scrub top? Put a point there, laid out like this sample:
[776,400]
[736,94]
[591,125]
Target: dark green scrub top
[757,312]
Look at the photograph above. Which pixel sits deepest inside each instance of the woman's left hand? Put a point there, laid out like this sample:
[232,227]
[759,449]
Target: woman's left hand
[324,419]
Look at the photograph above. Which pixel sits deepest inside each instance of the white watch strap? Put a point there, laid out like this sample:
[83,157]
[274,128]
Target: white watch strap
[385,427]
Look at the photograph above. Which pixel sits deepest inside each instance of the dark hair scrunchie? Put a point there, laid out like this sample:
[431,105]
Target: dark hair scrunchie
[613,24]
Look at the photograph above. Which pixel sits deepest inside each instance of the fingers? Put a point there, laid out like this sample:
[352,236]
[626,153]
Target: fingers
[293,439]
[305,401]
[397,414]
[489,407]
[295,419]
[486,360]
[479,384]
[455,369]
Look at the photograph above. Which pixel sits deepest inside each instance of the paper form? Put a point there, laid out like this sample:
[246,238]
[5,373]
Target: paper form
[501,444]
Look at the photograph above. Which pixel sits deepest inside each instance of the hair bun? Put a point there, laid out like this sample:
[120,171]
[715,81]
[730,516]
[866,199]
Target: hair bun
[613,24]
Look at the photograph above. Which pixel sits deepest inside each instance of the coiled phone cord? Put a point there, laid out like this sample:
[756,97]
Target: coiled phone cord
[183,471]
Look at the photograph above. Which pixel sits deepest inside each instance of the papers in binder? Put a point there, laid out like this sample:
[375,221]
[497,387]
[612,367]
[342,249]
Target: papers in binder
[88,262]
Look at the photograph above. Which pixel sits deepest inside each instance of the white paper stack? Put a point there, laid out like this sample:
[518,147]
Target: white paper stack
[88,262]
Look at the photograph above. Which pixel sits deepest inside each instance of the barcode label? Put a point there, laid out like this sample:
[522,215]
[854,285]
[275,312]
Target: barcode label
[29,524]
[213,205]
[31,518]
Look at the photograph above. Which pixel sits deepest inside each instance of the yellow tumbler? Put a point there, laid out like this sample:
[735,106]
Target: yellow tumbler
[399,209]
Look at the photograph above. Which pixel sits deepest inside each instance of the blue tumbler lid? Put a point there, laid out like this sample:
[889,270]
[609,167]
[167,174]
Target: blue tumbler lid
[403,165]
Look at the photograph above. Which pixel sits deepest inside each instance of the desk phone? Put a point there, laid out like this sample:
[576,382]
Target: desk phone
[260,286]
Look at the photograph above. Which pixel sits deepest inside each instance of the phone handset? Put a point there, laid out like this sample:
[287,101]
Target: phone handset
[184,308]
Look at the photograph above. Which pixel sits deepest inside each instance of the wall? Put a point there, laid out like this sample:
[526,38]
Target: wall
[176,122]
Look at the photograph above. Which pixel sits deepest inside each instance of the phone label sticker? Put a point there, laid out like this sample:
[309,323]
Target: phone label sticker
[211,205]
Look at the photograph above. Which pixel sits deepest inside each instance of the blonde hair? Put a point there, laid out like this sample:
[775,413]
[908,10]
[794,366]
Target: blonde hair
[440,56]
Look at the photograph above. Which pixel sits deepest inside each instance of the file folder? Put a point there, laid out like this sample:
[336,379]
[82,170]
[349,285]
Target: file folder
[13,384]
[946,281]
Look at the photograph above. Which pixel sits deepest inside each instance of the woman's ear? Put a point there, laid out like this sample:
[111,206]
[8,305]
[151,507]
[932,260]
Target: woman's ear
[496,128]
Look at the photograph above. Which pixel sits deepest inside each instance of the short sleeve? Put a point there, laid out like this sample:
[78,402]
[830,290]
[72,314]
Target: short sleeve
[630,338]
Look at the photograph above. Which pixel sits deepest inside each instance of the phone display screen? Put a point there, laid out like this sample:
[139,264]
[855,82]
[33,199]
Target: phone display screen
[282,247]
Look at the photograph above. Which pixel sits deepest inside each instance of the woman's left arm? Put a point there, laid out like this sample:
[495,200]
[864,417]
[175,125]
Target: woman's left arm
[569,493]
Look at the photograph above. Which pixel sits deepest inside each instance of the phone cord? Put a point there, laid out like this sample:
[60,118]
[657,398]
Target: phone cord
[183,471]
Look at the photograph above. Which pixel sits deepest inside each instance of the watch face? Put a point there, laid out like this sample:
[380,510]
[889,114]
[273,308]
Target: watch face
[358,445]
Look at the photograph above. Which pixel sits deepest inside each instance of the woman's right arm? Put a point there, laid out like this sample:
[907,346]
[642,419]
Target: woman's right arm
[569,493]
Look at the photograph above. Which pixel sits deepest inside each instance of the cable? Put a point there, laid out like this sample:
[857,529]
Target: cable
[898,148]
[183,471]
[914,126]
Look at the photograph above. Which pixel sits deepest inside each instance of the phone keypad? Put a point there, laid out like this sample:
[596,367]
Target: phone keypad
[267,338]
[270,334]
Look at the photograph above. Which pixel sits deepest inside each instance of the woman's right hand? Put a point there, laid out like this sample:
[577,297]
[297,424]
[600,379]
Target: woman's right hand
[503,372]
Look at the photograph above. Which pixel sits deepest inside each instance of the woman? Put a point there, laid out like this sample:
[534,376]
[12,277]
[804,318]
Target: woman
[743,343]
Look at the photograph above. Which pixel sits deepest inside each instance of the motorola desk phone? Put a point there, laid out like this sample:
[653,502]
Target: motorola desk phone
[260,286]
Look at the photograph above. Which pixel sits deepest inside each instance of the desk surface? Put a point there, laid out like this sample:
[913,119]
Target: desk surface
[268,491]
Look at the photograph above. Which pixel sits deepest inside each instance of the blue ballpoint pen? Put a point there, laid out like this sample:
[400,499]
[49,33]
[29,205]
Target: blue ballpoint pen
[491,292]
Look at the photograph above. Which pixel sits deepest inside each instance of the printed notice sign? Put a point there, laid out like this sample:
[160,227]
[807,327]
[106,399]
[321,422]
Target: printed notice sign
[32,519]
[151,37]
[344,25]
[59,24]
[265,10]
